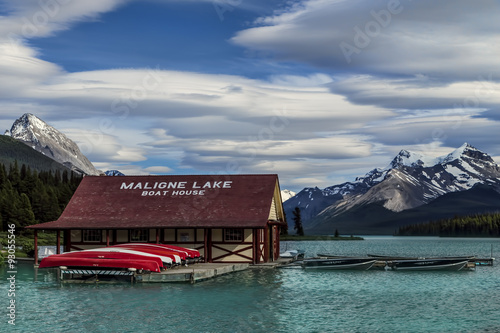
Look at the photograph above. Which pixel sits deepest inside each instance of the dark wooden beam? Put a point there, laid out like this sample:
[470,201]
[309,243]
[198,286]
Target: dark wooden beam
[58,247]
[36,247]
[266,244]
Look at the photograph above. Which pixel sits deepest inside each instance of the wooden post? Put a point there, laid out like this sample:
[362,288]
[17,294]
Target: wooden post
[208,242]
[36,247]
[107,237]
[157,235]
[205,244]
[58,247]
[67,240]
[266,243]
[255,237]
[277,241]
[271,242]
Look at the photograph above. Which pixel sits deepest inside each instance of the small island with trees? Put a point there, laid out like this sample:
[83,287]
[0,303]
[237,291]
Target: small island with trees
[300,236]
[478,225]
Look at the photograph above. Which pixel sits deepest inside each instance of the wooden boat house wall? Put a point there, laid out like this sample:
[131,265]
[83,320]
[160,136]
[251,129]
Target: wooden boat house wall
[228,218]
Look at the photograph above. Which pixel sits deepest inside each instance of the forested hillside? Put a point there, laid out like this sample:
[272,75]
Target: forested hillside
[12,150]
[479,225]
[29,196]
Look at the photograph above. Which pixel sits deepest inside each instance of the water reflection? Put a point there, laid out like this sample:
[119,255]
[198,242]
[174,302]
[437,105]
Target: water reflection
[272,300]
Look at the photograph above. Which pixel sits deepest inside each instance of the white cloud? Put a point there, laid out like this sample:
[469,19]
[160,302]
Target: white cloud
[158,170]
[196,121]
[221,123]
[100,147]
[448,39]
[21,70]
[30,19]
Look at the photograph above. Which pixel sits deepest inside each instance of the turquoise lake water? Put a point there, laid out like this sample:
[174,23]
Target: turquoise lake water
[276,300]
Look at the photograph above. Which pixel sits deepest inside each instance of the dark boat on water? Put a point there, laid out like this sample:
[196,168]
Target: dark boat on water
[339,263]
[448,264]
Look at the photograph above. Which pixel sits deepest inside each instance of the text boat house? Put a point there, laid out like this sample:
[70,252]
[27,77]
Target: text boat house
[228,218]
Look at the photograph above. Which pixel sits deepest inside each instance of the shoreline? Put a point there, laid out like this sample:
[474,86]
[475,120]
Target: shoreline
[318,238]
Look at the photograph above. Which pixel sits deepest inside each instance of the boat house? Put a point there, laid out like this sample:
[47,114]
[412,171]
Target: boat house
[228,218]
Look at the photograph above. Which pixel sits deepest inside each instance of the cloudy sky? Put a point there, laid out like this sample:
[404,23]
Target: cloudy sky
[318,91]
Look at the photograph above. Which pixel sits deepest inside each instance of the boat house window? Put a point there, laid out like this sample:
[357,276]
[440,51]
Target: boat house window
[233,235]
[139,235]
[92,235]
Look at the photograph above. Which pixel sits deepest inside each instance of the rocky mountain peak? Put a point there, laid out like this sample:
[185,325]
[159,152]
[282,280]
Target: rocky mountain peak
[287,194]
[406,158]
[47,140]
[468,151]
[113,173]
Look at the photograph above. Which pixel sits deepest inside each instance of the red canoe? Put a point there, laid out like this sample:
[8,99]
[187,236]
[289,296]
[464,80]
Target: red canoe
[166,260]
[58,260]
[112,255]
[190,253]
[176,256]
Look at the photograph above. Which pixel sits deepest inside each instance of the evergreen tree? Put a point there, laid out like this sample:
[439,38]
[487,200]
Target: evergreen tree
[284,229]
[14,175]
[297,218]
[3,176]
[28,197]
[25,215]
[478,225]
[10,206]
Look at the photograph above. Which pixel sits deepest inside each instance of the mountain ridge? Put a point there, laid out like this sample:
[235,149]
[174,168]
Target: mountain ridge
[37,134]
[410,180]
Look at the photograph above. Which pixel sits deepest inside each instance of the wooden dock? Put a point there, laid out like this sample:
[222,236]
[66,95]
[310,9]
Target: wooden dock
[194,273]
[273,264]
[191,274]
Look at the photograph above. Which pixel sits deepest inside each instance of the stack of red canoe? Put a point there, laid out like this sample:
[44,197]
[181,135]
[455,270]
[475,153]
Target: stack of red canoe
[140,256]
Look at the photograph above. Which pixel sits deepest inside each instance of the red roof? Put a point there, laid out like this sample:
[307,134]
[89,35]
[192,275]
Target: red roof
[124,202]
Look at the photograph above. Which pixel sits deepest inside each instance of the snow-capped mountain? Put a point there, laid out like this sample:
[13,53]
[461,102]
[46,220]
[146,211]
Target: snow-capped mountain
[287,194]
[113,173]
[45,139]
[410,180]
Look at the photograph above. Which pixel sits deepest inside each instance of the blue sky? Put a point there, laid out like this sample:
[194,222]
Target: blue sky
[178,36]
[318,91]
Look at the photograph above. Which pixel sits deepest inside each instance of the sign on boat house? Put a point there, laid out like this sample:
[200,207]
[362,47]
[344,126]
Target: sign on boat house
[228,218]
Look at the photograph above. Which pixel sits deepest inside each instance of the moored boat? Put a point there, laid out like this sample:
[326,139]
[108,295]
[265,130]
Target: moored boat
[112,255]
[339,263]
[166,260]
[73,262]
[190,255]
[295,254]
[175,256]
[450,264]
